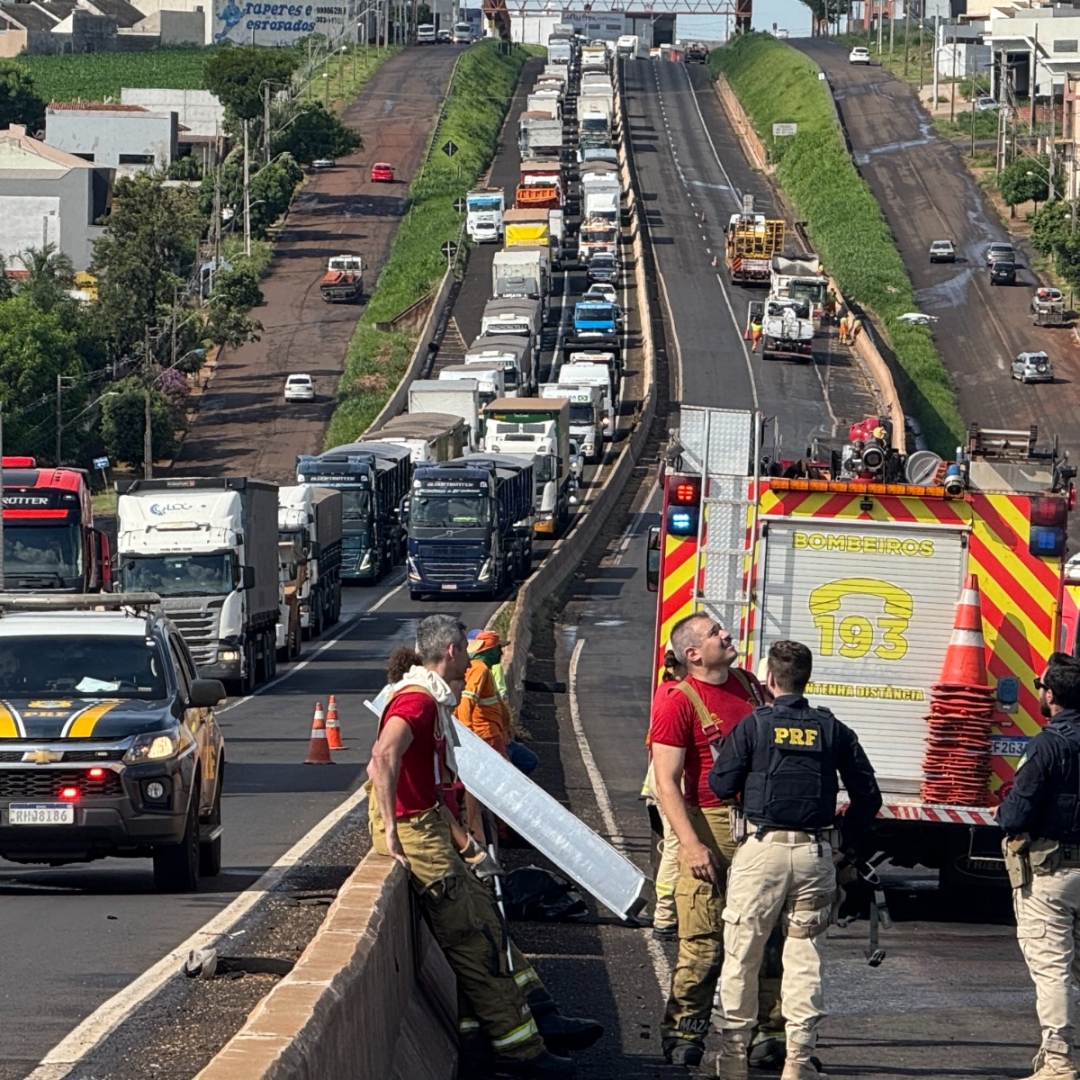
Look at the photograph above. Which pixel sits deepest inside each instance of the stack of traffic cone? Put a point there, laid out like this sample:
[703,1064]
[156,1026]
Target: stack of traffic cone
[956,767]
[318,752]
[333,728]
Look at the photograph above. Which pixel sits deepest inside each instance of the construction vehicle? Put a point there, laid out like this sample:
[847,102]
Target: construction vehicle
[863,554]
[787,331]
[343,282]
[484,209]
[50,541]
[208,546]
[539,429]
[310,523]
[373,478]
[799,277]
[470,525]
[1048,307]
[750,241]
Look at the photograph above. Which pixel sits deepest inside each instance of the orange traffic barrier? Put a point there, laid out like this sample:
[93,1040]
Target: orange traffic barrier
[318,751]
[333,728]
[965,658]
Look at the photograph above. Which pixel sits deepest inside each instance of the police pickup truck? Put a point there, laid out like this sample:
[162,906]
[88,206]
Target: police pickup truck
[108,742]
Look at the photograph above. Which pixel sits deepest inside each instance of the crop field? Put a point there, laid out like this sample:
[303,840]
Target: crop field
[98,76]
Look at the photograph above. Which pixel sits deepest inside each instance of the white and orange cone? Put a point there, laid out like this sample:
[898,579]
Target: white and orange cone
[318,751]
[333,728]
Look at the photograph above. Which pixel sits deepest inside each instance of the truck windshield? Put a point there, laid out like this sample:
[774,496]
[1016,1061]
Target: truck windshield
[597,124]
[449,511]
[486,202]
[47,551]
[95,667]
[355,504]
[814,291]
[543,468]
[581,413]
[594,235]
[179,575]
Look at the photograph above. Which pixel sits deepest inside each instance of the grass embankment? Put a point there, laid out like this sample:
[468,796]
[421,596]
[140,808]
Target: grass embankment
[477,102]
[345,73]
[775,83]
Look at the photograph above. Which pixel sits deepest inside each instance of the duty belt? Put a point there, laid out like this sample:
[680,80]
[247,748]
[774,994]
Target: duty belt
[796,836]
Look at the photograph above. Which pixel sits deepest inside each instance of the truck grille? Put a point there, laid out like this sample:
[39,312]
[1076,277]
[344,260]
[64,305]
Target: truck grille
[450,572]
[199,630]
[19,784]
[95,756]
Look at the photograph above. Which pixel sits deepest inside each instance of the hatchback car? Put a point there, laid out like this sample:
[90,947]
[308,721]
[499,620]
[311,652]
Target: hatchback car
[382,172]
[986,104]
[859,55]
[942,251]
[602,268]
[1002,252]
[1002,272]
[299,388]
[1033,367]
[323,163]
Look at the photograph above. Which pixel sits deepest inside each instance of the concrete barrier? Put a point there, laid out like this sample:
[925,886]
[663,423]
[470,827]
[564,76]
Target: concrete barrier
[371,998]
[751,141]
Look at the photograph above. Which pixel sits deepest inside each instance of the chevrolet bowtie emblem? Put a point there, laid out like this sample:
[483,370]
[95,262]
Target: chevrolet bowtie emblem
[43,757]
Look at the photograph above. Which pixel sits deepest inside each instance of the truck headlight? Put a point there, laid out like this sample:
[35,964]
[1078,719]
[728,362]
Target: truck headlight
[153,746]
[229,656]
[365,562]
[414,572]
[485,571]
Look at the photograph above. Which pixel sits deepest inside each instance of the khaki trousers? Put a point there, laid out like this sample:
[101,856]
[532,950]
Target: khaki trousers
[700,909]
[465,922]
[667,874]
[1048,929]
[774,881]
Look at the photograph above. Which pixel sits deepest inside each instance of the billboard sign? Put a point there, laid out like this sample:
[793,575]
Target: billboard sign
[247,22]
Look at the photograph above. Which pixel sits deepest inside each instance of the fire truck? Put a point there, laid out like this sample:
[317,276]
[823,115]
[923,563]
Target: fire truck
[49,537]
[863,556]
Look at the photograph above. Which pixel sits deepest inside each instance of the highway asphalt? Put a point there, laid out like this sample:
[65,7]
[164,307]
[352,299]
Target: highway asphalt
[927,194]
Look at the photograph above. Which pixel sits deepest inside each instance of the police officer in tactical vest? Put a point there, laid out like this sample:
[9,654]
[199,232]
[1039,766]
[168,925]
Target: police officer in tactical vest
[783,761]
[1041,819]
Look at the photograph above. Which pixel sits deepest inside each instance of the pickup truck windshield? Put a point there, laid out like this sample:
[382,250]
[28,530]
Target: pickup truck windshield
[48,550]
[179,575]
[449,511]
[93,667]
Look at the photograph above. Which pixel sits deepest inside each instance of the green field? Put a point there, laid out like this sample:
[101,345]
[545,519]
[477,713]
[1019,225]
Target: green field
[97,76]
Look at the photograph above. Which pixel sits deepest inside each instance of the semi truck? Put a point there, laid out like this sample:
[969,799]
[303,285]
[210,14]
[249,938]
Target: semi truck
[514,354]
[750,241]
[540,429]
[460,399]
[428,436]
[490,379]
[373,478]
[604,376]
[310,525]
[50,541]
[484,210]
[799,277]
[516,315]
[343,282]
[864,556]
[470,526]
[208,546]
[586,419]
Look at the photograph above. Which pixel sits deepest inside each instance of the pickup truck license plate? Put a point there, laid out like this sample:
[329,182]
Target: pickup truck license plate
[41,814]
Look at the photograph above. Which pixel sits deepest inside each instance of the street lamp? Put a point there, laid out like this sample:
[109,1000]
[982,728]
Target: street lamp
[341,72]
[326,96]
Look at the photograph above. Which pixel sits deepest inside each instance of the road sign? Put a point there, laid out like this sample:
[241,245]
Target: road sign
[449,148]
[449,249]
[101,463]
[459,205]
[781,130]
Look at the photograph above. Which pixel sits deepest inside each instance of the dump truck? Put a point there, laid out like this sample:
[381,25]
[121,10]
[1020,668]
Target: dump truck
[310,526]
[470,526]
[865,554]
[343,282]
[373,478]
[208,546]
[750,241]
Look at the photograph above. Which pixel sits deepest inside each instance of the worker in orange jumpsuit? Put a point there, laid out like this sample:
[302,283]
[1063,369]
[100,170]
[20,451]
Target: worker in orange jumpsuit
[756,329]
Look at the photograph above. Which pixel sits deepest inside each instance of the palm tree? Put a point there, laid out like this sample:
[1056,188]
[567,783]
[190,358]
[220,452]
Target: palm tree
[51,275]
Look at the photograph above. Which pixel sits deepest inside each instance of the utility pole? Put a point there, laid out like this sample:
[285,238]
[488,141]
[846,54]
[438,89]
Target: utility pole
[266,119]
[247,191]
[341,72]
[175,317]
[933,60]
[892,27]
[59,419]
[148,451]
[952,95]
[907,35]
[1034,73]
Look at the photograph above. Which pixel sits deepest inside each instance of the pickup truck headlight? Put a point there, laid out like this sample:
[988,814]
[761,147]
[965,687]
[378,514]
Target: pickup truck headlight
[485,571]
[153,746]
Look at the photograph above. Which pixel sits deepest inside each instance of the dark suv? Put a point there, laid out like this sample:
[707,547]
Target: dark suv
[1002,273]
[108,742]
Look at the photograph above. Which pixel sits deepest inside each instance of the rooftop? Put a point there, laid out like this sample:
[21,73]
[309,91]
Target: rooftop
[20,152]
[92,106]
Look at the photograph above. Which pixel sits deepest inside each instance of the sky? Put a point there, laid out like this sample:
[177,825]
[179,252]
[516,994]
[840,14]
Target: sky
[790,15]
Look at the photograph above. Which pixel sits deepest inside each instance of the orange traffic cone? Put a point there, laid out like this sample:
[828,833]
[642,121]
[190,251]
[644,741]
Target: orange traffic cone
[333,728]
[318,752]
[965,658]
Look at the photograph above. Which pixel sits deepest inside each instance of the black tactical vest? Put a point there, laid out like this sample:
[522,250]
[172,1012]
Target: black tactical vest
[1061,807]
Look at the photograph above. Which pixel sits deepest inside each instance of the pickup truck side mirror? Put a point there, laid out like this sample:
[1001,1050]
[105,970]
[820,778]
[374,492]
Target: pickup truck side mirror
[247,577]
[206,693]
[652,559]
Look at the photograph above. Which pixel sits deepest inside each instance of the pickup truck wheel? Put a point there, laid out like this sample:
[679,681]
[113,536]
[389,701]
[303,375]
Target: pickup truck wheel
[210,852]
[176,866]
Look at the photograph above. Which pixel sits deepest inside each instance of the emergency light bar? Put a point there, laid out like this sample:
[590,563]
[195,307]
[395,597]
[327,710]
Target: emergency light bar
[683,509]
[1047,537]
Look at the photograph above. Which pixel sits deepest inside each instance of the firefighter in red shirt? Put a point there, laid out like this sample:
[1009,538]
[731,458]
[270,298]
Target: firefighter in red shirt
[688,723]
[410,762]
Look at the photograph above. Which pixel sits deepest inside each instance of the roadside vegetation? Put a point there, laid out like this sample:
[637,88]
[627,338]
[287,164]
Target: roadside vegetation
[775,84]
[479,96]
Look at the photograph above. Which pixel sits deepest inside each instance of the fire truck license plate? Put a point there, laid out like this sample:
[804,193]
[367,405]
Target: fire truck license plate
[1003,746]
[41,814]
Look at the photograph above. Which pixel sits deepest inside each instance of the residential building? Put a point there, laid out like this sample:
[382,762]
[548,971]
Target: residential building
[48,196]
[124,138]
[1033,47]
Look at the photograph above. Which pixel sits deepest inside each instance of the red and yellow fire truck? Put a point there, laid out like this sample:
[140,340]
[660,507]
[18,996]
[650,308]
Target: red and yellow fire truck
[49,537]
[863,558]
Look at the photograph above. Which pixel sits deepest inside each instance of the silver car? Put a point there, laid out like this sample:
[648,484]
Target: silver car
[1033,367]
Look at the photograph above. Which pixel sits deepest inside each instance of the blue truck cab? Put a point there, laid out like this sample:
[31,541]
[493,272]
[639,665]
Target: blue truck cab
[596,323]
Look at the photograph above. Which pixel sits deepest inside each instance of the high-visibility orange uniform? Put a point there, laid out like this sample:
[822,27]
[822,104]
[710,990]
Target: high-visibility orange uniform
[482,710]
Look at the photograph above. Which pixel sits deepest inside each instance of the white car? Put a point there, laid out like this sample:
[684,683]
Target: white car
[986,104]
[859,55]
[323,163]
[299,388]
[602,291]
[1033,367]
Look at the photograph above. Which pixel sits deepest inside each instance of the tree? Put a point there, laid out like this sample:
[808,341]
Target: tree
[235,76]
[315,133]
[1024,180]
[19,104]
[5,282]
[238,288]
[1051,225]
[51,276]
[271,191]
[236,291]
[123,422]
[146,253]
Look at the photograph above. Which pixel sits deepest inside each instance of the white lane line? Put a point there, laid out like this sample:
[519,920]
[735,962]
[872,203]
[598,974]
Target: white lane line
[712,146]
[104,1020]
[661,967]
[742,341]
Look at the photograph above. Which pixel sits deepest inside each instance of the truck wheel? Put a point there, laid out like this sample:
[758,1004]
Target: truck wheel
[316,617]
[176,866]
[247,680]
[210,852]
[271,654]
[415,595]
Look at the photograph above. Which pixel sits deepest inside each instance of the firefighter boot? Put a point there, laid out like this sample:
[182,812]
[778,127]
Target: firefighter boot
[683,1051]
[561,1033]
[768,1051]
[544,1066]
[1050,1066]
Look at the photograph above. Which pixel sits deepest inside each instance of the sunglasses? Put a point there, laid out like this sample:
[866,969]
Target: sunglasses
[1040,685]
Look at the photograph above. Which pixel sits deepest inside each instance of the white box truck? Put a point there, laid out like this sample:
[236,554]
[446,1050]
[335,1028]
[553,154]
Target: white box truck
[602,375]
[484,209]
[461,399]
[514,354]
[490,378]
[586,424]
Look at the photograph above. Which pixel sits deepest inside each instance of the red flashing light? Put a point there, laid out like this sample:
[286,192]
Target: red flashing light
[1048,512]
[69,794]
[96,774]
[18,463]
[684,490]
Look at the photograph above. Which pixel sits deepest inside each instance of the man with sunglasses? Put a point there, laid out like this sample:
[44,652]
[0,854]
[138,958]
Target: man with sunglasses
[1041,819]
[689,720]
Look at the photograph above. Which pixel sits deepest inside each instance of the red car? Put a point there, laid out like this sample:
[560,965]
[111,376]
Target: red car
[382,173]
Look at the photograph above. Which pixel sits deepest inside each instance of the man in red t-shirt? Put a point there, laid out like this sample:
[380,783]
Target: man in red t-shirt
[410,763]
[688,722]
